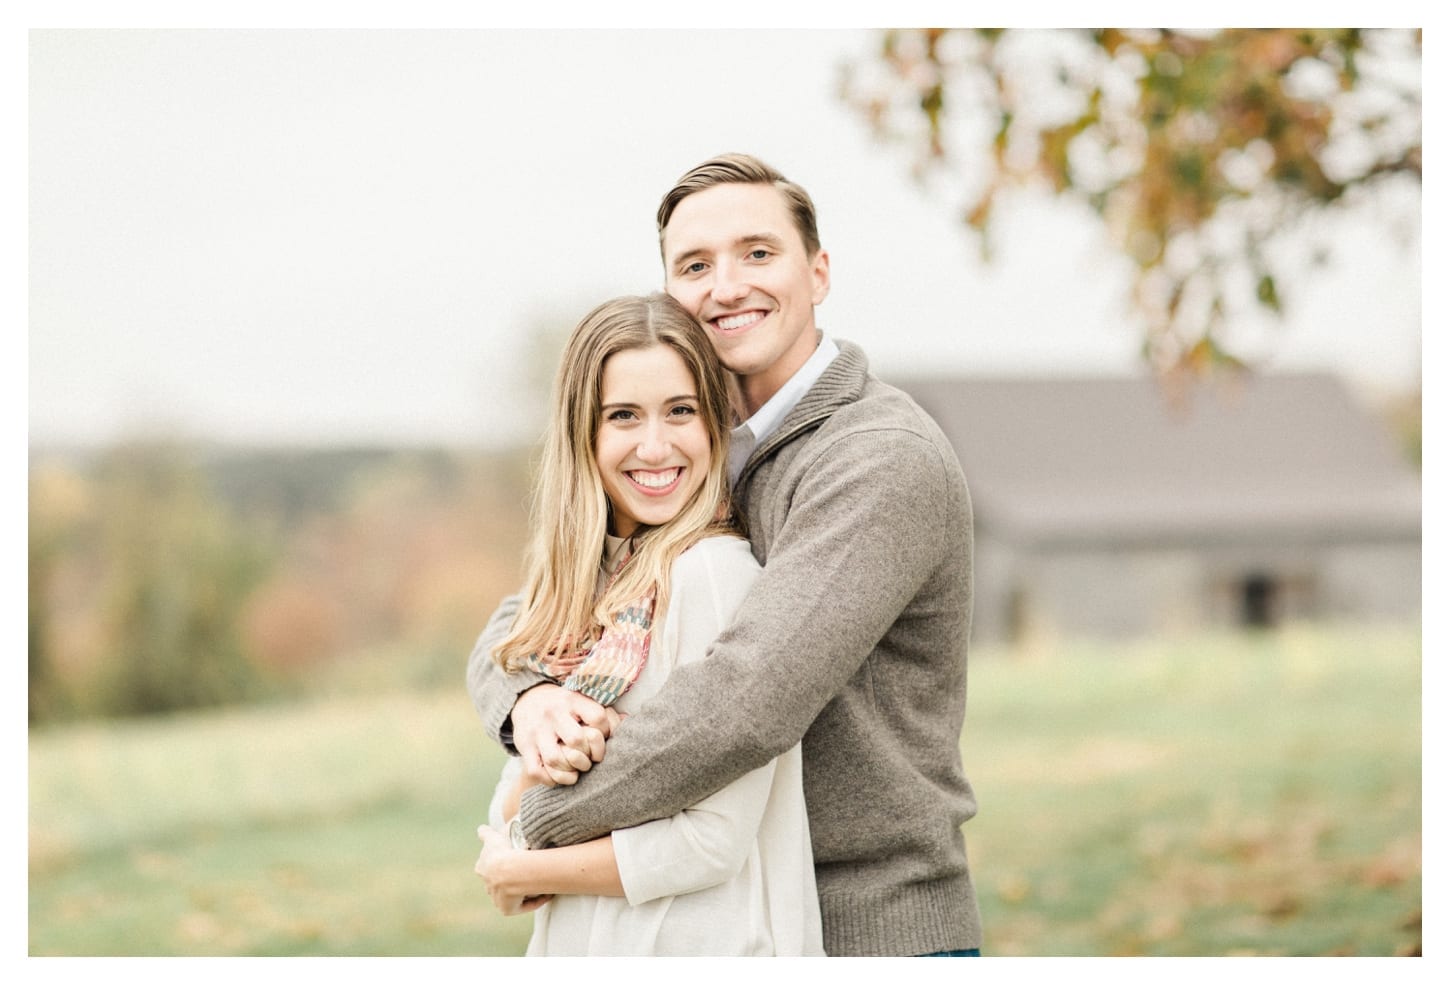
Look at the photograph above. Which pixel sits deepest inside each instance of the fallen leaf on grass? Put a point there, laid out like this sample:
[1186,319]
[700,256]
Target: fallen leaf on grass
[199,928]
[1013,888]
[1284,907]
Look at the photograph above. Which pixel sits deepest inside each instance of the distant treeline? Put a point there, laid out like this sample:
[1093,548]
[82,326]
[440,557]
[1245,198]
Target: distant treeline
[165,576]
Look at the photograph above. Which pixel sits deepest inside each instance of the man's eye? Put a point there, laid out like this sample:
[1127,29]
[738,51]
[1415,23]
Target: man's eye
[759,254]
[695,267]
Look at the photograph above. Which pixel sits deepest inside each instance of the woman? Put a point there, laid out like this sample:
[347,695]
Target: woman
[635,566]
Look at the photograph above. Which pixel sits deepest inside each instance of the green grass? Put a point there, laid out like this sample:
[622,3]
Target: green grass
[1234,795]
[1219,796]
[344,827]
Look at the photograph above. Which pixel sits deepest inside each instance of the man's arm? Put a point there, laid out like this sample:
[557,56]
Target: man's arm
[564,737]
[861,538]
[493,691]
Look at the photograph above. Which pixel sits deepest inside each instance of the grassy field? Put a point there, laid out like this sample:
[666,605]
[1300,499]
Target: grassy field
[1234,795]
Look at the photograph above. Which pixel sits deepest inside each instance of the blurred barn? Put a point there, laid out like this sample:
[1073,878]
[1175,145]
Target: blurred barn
[1108,507]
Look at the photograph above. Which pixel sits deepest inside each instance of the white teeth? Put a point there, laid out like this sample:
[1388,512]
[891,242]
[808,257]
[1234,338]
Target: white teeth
[655,480]
[738,321]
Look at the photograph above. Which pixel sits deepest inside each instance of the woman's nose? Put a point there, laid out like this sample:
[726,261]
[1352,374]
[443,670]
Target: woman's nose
[654,445]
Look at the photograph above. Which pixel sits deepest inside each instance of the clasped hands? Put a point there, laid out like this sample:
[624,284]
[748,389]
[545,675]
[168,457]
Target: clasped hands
[560,733]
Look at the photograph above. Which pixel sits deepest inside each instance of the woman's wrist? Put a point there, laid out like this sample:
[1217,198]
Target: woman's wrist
[514,872]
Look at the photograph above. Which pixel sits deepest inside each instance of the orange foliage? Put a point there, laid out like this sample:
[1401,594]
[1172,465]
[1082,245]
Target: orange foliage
[290,623]
[412,556]
[1198,149]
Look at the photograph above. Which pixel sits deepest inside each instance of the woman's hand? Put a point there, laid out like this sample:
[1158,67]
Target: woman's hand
[498,865]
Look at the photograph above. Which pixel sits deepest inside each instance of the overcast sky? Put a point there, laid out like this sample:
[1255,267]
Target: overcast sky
[353,236]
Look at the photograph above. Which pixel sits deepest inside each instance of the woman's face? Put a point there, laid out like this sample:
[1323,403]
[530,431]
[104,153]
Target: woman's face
[653,449]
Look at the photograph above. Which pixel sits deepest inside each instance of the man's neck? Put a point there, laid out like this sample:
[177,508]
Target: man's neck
[750,393]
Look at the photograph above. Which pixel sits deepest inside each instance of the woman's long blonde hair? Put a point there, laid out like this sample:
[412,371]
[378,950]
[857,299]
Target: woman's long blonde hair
[570,509]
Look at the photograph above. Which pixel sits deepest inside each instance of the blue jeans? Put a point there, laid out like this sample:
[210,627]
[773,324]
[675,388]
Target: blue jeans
[971,952]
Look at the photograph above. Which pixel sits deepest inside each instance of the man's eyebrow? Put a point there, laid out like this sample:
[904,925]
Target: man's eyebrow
[769,238]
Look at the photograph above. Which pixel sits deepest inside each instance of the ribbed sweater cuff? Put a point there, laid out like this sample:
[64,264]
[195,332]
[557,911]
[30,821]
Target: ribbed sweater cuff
[917,919]
[496,704]
[544,816]
[494,713]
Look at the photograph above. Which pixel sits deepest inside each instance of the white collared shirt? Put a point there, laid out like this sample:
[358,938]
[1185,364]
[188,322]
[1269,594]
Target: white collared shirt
[745,438]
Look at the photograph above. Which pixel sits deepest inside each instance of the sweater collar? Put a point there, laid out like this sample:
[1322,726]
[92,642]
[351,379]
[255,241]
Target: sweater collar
[842,382]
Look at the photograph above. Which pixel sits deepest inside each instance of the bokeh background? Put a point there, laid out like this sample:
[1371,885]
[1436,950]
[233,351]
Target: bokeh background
[294,297]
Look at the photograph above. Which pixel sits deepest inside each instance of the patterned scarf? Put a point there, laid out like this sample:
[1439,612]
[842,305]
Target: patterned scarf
[605,670]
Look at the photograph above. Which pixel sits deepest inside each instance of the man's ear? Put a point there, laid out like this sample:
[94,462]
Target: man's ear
[820,276]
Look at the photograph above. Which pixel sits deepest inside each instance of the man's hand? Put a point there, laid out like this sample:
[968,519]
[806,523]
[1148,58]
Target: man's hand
[494,863]
[560,733]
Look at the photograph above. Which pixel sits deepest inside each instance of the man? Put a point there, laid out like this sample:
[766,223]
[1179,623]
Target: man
[853,641]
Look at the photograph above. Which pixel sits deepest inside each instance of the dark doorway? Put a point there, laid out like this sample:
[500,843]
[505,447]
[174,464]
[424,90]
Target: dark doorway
[1258,601]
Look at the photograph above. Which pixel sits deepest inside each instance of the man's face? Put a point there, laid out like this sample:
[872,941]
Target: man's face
[734,259]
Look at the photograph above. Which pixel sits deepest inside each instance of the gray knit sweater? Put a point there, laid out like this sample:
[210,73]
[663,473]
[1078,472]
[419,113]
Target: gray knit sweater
[852,642]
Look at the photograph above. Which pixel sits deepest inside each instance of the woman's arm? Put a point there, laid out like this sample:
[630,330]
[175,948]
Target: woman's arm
[701,846]
[519,881]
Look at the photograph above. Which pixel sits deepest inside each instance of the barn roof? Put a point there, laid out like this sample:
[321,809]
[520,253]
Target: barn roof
[1094,458]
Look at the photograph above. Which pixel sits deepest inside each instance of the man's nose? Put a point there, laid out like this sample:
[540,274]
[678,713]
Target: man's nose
[728,286]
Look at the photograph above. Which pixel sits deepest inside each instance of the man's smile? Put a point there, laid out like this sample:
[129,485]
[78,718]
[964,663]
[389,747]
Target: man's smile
[731,323]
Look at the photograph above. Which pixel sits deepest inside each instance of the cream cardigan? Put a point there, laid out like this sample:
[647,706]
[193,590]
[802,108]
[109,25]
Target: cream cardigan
[731,875]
